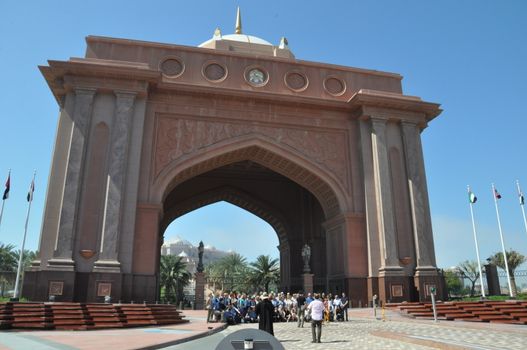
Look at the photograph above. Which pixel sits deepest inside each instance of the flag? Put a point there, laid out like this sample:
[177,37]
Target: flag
[31,190]
[472,197]
[497,194]
[7,187]
[522,199]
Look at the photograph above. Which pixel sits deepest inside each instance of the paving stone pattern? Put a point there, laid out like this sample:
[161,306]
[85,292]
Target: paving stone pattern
[400,334]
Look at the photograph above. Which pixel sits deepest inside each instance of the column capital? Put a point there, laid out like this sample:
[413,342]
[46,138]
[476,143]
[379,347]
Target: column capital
[85,91]
[378,119]
[125,94]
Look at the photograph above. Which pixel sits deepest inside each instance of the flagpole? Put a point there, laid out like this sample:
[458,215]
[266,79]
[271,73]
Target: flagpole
[3,201]
[522,204]
[2,211]
[502,242]
[477,246]
[19,271]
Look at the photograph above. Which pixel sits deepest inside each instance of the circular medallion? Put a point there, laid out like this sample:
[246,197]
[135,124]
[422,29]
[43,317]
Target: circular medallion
[172,67]
[334,86]
[256,76]
[214,72]
[296,81]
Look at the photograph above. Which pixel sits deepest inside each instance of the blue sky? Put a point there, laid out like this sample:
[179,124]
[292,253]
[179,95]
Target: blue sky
[467,55]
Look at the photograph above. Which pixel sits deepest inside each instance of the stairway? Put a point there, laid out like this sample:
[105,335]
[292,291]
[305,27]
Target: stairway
[511,311]
[80,316]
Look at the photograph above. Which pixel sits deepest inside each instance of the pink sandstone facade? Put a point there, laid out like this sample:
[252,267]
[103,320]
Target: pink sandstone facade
[328,155]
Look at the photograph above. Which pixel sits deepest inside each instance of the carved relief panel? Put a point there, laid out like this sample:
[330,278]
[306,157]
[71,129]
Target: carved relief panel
[177,137]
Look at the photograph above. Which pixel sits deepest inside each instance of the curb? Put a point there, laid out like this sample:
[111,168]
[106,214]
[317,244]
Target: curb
[184,340]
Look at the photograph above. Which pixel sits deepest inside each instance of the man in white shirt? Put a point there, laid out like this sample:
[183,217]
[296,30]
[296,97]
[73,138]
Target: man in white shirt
[316,307]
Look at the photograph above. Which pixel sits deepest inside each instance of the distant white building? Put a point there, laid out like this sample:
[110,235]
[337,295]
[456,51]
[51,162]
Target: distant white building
[189,254]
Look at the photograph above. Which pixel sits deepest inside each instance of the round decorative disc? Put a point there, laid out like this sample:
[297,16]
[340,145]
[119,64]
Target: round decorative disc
[296,81]
[334,86]
[256,77]
[172,67]
[214,72]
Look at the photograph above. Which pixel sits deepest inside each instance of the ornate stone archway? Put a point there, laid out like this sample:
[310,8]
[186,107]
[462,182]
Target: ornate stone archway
[142,123]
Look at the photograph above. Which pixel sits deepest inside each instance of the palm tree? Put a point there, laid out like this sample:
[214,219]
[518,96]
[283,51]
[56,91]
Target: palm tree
[173,277]
[8,258]
[233,267]
[8,265]
[265,271]
[514,259]
[469,269]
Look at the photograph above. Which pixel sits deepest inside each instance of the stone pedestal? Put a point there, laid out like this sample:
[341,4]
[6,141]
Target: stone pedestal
[307,279]
[199,292]
[425,280]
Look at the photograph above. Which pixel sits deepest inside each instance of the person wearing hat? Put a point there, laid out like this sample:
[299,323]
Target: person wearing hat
[265,311]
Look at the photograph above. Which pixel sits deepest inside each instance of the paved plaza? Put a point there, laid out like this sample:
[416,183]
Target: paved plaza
[363,331]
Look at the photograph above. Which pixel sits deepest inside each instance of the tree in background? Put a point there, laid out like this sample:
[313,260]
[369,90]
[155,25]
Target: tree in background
[514,259]
[453,283]
[265,271]
[231,272]
[173,277]
[8,258]
[469,270]
[8,266]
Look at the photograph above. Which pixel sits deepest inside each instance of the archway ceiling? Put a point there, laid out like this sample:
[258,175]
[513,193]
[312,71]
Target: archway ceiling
[271,160]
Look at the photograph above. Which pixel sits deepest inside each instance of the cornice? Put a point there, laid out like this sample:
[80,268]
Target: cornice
[381,104]
[130,42]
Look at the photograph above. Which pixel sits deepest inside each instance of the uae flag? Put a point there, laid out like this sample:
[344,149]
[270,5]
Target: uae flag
[497,194]
[7,187]
[31,190]
[472,197]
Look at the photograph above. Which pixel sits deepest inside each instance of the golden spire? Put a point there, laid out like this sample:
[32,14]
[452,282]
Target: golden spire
[238,29]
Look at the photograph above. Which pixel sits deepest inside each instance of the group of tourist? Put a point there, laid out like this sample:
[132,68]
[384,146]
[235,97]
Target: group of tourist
[234,308]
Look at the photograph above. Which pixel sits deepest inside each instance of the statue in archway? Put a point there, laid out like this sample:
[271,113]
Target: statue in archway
[201,249]
[306,256]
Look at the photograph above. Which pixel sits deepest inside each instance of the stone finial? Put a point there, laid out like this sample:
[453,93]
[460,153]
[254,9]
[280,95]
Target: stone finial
[238,29]
[284,44]
[217,34]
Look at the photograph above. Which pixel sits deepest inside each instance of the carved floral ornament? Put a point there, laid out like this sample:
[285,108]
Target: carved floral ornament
[177,138]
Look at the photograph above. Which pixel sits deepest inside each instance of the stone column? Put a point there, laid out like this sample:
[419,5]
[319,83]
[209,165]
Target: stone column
[372,229]
[426,273]
[63,254]
[393,286]
[421,221]
[199,292]
[285,266]
[384,196]
[120,139]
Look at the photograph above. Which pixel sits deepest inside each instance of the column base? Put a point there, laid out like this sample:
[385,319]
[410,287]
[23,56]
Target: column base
[307,279]
[394,286]
[199,291]
[107,266]
[426,278]
[61,264]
